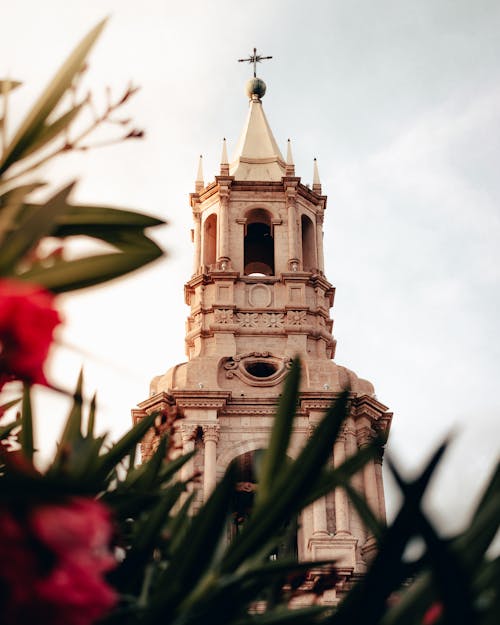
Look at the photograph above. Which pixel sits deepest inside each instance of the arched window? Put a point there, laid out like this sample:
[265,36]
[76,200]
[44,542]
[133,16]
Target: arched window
[308,244]
[210,240]
[259,244]
[242,504]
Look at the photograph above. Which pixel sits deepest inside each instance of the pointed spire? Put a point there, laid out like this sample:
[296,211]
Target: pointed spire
[257,155]
[224,161]
[316,180]
[290,167]
[199,184]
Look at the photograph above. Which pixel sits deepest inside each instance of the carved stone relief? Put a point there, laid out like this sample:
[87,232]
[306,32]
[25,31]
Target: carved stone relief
[259,296]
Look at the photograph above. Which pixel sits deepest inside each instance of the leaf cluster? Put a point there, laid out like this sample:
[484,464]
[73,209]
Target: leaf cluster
[178,567]
[25,225]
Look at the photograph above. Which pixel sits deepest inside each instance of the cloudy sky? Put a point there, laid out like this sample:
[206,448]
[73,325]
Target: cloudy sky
[400,103]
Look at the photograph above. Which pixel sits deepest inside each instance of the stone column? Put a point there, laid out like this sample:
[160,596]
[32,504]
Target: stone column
[341,504]
[293,253]
[370,489]
[188,435]
[223,223]
[380,485]
[355,525]
[210,437]
[319,243]
[197,242]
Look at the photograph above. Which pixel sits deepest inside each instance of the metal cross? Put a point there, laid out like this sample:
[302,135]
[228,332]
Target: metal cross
[254,58]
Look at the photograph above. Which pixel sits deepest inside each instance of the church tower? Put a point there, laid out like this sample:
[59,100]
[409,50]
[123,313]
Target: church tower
[258,297]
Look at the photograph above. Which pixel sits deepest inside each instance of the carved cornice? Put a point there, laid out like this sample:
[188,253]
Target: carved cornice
[159,401]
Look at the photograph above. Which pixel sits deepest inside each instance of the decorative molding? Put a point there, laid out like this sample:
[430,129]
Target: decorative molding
[259,295]
[273,320]
[296,317]
[223,315]
[248,320]
[242,366]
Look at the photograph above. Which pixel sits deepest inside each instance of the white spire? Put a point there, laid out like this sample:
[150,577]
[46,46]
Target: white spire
[290,167]
[199,184]
[257,155]
[316,180]
[224,161]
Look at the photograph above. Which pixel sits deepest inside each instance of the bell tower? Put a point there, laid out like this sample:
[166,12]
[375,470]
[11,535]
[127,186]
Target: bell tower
[257,297]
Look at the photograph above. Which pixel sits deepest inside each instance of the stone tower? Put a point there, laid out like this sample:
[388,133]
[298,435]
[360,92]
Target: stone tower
[258,297]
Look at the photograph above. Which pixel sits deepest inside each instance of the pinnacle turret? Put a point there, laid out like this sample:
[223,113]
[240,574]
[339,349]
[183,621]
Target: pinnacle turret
[199,183]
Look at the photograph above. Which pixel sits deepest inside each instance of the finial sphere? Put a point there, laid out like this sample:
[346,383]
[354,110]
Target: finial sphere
[255,86]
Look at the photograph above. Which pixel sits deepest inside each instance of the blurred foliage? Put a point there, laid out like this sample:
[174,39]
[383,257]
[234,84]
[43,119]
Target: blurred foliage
[178,567]
[48,131]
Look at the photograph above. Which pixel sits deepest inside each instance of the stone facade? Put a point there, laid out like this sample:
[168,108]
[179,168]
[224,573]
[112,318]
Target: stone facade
[258,297]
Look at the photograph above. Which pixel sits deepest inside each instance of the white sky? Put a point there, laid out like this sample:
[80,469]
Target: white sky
[400,103]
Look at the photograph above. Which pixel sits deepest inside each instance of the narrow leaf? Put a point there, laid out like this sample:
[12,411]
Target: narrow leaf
[91,417]
[8,405]
[71,275]
[5,430]
[72,432]
[38,225]
[7,85]
[26,435]
[122,448]
[275,455]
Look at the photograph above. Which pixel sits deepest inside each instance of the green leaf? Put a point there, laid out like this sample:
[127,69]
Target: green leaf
[146,475]
[73,427]
[91,417]
[33,125]
[78,217]
[71,275]
[38,225]
[483,528]
[15,195]
[191,559]
[366,603]
[8,405]
[275,455]
[178,526]
[5,430]
[147,536]
[26,435]
[72,432]
[120,449]
[7,85]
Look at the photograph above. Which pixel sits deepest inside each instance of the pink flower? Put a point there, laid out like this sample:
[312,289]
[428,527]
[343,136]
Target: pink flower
[52,561]
[27,322]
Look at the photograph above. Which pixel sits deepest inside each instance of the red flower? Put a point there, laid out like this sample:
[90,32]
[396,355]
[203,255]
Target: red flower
[27,322]
[52,560]
[433,614]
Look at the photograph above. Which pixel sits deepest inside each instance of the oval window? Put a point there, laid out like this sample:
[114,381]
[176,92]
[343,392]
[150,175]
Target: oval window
[261,368]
